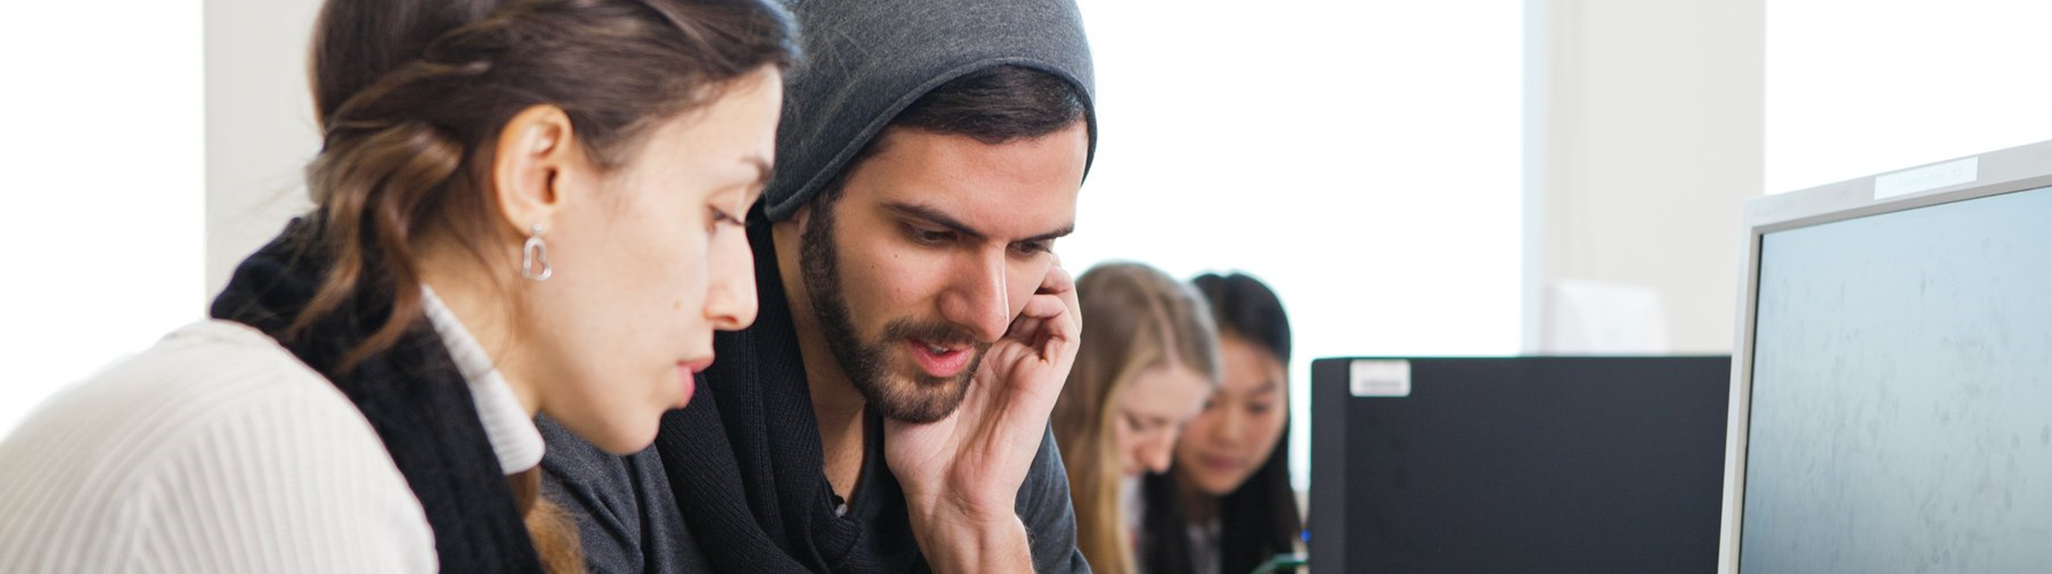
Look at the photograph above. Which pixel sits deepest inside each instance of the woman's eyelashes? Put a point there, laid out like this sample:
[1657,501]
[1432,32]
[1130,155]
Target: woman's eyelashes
[728,207]
[717,217]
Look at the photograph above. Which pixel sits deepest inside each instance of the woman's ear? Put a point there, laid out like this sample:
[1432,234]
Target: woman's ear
[535,150]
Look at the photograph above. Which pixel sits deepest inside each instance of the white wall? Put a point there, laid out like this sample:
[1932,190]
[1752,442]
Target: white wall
[156,152]
[1648,142]
[100,237]
[260,126]
[1656,119]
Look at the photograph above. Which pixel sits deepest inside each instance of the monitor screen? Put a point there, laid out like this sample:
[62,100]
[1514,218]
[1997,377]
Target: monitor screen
[1901,393]
[1518,465]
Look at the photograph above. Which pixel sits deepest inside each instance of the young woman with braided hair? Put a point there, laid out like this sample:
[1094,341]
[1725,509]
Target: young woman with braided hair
[522,207]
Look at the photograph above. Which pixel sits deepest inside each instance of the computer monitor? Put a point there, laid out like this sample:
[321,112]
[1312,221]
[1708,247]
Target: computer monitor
[1517,465]
[1892,382]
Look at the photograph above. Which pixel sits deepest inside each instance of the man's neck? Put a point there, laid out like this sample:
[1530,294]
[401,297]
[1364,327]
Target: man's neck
[836,405]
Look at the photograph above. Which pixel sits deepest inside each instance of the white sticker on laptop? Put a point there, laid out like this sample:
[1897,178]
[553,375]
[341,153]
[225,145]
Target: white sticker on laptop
[1927,178]
[1380,378]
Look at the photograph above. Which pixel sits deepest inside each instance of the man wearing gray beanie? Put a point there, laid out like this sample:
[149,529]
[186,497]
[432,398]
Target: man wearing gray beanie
[887,411]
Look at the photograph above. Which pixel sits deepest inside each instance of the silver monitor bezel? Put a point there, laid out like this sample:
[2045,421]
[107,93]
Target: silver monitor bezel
[1997,172]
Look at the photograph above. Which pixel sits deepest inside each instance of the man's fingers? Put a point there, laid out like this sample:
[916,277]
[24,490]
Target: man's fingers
[1060,284]
[1044,306]
[1026,328]
[1057,280]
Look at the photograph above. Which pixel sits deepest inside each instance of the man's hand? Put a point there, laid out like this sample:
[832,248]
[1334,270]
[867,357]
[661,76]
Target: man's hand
[961,474]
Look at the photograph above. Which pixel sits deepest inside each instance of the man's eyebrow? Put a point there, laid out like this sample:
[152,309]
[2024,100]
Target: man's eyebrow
[935,217]
[1053,235]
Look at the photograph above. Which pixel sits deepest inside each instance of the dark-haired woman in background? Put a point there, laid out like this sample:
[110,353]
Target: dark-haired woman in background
[522,207]
[1227,506]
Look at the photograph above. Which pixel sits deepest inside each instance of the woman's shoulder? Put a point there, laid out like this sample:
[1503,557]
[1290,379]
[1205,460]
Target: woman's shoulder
[214,436]
[189,385]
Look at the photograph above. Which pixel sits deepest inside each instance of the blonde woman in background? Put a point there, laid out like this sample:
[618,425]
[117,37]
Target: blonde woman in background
[1148,362]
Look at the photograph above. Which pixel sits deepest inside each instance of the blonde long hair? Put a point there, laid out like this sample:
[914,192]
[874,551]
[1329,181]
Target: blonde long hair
[1135,318]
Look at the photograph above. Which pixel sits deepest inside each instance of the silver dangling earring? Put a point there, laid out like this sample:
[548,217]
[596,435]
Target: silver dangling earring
[535,252]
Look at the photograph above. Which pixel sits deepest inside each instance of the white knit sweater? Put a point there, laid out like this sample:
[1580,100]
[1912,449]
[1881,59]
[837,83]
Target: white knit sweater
[218,451]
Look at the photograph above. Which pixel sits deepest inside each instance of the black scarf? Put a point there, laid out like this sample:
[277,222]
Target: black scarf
[746,463]
[412,394]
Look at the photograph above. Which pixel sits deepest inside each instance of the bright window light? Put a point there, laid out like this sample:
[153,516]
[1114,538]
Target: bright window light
[1364,159]
[101,241]
[1856,87]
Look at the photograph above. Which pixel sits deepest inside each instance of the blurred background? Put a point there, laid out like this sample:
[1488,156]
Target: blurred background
[1467,177]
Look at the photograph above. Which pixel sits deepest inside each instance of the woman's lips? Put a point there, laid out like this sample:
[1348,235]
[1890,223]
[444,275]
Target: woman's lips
[698,366]
[687,376]
[1219,463]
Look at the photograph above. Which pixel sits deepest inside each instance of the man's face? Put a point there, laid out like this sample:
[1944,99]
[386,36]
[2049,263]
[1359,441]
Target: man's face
[930,252]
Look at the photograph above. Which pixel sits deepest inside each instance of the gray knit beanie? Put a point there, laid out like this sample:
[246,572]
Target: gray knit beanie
[867,60]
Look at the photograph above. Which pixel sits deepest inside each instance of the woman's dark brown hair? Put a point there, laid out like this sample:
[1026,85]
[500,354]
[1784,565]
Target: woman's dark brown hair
[1259,519]
[411,95]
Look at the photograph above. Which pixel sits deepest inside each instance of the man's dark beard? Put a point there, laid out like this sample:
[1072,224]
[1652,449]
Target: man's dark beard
[927,398]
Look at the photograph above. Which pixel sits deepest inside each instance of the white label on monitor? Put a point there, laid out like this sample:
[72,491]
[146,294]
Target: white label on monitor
[1380,378]
[1927,178]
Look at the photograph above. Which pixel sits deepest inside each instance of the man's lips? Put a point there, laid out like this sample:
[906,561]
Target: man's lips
[939,361]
